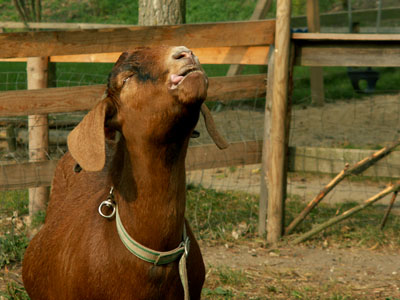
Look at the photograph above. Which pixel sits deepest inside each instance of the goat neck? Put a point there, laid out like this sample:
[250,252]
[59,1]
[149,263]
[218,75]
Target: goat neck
[148,170]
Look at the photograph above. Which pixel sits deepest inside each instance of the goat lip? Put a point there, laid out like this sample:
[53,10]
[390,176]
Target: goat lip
[176,80]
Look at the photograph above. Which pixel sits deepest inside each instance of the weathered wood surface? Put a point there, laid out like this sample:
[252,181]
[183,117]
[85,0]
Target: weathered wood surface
[277,173]
[27,175]
[214,55]
[37,77]
[50,43]
[24,175]
[348,54]
[330,49]
[263,202]
[69,99]
[332,161]
[346,37]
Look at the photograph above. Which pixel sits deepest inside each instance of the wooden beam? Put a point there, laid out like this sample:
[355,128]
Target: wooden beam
[348,53]
[277,172]
[346,37]
[302,159]
[209,156]
[47,43]
[27,175]
[215,55]
[37,174]
[69,99]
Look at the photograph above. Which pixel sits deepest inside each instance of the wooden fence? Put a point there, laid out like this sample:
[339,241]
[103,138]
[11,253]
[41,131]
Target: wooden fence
[214,43]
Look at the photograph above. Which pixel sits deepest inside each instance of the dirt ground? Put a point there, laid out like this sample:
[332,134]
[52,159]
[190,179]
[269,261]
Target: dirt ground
[275,273]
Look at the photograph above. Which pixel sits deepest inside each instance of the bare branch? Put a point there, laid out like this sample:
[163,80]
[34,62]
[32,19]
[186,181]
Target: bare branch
[358,168]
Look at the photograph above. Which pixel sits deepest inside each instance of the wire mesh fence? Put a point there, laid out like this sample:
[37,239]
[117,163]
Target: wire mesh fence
[351,125]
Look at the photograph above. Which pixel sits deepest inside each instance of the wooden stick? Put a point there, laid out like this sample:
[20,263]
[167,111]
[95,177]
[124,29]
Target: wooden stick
[260,11]
[358,168]
[347,214]
[388,210]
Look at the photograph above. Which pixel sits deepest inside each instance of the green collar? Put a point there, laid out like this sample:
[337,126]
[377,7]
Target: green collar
[155,257]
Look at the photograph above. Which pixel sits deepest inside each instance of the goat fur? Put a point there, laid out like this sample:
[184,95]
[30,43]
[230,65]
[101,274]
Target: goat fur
[77,254]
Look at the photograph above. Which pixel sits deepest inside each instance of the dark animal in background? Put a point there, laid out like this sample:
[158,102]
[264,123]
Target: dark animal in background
[131,150]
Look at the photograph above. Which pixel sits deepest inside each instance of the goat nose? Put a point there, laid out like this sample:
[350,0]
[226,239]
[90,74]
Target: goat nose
[182,54]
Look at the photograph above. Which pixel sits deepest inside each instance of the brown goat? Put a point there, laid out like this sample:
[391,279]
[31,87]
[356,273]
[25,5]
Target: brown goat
[152,102]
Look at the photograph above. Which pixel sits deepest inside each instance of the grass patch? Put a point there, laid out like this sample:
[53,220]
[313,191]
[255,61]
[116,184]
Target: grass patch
[13,201]
[12,247]
[220,217]
[215,215]
[14,291]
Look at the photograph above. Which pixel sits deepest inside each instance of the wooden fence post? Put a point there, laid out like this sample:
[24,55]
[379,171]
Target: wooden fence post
[316,73]
[277,172]
[265,160]
[37,72]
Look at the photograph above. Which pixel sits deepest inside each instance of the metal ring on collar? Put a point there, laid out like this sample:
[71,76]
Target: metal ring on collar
[109,204]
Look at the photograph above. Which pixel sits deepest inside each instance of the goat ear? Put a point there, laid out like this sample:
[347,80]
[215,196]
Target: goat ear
[86,142]
[212,129]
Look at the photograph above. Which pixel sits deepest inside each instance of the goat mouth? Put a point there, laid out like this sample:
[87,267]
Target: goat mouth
[177,79]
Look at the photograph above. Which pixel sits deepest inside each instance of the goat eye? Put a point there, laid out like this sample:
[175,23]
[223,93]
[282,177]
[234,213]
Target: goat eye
[126,79]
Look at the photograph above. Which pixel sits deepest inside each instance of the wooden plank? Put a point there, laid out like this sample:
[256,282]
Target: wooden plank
[50,43]
[69,99]
[346,37]
[36,174]
[26,175]
[333,160]
[209,156]
[237,87]
[348,54]
[301,159]
[212,55]
[51,100]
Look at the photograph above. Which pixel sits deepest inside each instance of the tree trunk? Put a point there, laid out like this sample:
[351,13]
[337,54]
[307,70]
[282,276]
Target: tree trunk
[162,12]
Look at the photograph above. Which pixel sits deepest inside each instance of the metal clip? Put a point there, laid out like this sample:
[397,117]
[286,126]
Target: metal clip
[109,202]
[187,246]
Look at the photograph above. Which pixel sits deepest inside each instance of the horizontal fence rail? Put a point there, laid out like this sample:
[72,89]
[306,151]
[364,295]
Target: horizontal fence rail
[347,50]
[81,98]
[213,55]
[50,43]
[301,159]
